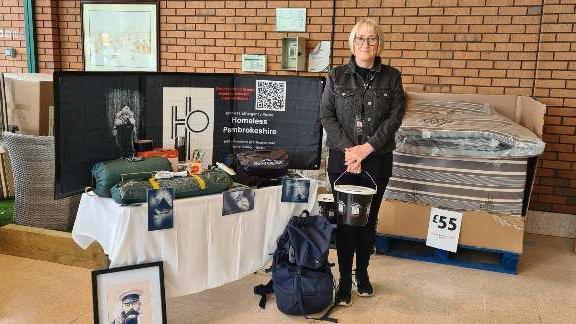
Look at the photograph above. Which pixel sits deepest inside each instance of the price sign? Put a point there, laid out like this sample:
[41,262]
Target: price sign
[444,229]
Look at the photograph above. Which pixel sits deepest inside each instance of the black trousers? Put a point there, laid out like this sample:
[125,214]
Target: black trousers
[357,239]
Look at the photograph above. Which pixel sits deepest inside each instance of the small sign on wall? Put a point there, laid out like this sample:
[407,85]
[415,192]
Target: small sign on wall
[319,58]
[11,34]
[253,63]
[291,19]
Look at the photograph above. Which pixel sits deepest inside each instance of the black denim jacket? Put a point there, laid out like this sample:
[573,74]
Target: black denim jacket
[380,104]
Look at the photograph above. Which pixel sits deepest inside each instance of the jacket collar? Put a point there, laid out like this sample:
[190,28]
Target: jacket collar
[352,66]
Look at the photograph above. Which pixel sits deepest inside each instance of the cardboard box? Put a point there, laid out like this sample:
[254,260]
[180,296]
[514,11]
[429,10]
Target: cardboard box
[28,98]
[479,229]
[523,110]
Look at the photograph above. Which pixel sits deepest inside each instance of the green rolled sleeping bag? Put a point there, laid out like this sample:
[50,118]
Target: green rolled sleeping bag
[108,173]
[207,183]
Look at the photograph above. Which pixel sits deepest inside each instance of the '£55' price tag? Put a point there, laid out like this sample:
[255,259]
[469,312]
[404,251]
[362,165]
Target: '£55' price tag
[444,229]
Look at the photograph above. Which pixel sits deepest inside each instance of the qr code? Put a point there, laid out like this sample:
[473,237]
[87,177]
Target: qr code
[270,95]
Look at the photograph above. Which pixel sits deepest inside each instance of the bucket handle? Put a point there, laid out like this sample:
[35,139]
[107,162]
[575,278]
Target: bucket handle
[375,185]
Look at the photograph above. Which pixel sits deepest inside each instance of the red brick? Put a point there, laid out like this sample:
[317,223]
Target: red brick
[543,189]
[566,148]
[430,11]
[483,29]
[458,11]
[562,130]
[368,3]
[553,199]
[463,89]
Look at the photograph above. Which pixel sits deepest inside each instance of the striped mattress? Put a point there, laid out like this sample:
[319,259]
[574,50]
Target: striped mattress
[461,129]
[495,186]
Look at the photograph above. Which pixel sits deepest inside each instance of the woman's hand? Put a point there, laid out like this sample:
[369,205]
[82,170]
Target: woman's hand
[354,156]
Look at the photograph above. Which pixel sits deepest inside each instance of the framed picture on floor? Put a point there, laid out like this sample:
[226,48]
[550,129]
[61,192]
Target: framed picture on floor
[120,35]
[131,294]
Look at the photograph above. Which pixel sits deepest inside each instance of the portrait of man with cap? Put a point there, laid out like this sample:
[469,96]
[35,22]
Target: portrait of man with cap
[131,305]
[125,132]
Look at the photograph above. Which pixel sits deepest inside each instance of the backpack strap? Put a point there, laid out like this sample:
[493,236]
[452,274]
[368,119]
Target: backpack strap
[262,290]
[325,317]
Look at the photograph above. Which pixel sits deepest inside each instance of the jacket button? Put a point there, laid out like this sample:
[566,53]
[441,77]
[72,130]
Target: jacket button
[369,103]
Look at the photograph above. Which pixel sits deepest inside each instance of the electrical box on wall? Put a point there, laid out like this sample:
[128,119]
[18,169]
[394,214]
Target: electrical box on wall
[10,52]
[294,53]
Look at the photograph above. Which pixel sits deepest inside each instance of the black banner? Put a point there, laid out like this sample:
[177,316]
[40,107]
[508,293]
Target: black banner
[99,114]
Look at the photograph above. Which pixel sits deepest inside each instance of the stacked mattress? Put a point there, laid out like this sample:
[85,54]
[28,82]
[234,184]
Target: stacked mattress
[495,186]
[461,129]
[461,156]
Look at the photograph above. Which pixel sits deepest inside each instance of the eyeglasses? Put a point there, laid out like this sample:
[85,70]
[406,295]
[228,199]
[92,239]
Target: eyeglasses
[361,40]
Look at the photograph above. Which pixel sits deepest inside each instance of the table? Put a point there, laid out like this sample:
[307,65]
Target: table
[204,249]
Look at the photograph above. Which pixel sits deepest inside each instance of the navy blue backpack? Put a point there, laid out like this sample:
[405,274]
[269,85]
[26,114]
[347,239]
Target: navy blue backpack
[301,278]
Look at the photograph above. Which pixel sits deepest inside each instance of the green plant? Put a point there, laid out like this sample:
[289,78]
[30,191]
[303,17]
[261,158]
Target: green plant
[6,211]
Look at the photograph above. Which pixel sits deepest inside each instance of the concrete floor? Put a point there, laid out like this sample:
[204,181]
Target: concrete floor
[406,292]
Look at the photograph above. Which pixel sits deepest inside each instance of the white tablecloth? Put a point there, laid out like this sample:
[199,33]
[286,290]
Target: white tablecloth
[204,249]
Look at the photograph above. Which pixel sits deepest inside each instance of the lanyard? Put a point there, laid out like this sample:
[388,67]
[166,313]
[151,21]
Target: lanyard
[359,120]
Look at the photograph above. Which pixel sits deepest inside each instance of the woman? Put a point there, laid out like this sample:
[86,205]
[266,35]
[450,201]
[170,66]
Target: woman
[362,108]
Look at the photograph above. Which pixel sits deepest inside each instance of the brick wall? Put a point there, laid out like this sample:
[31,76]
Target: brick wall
[12,35]
[466,46]
[48,35]
[211,36]
[461,46]
[555,86]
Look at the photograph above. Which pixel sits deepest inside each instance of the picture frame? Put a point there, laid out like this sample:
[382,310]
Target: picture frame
[160,208]
[238,199]
[130,292]
[120,35]
[295,190]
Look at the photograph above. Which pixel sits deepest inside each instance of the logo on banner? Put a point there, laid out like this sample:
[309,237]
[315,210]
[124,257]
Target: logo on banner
[189,113]
[268,163]
[197,121]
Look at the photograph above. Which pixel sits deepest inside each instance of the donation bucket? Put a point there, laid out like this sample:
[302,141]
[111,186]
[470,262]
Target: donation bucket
[327,207]
[353,202]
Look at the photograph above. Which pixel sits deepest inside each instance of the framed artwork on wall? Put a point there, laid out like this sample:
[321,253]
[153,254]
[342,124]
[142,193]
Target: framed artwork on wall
[120,35]
[131,294]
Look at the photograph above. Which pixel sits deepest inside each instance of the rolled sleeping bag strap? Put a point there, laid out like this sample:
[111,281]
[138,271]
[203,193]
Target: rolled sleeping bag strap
[154,183]
[201,181]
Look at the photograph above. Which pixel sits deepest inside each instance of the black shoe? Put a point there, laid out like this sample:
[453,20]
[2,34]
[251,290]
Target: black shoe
[364,287]
[343,298]
[344,294]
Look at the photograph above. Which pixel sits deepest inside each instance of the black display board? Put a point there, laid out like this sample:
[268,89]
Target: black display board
[97,114]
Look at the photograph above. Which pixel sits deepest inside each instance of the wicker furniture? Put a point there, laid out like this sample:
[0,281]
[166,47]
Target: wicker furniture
[32,159]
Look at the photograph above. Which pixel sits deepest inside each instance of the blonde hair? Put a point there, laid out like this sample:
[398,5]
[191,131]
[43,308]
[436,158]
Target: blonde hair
[372,26]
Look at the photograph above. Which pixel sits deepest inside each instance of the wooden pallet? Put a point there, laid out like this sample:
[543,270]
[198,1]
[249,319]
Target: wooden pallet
[466,256]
